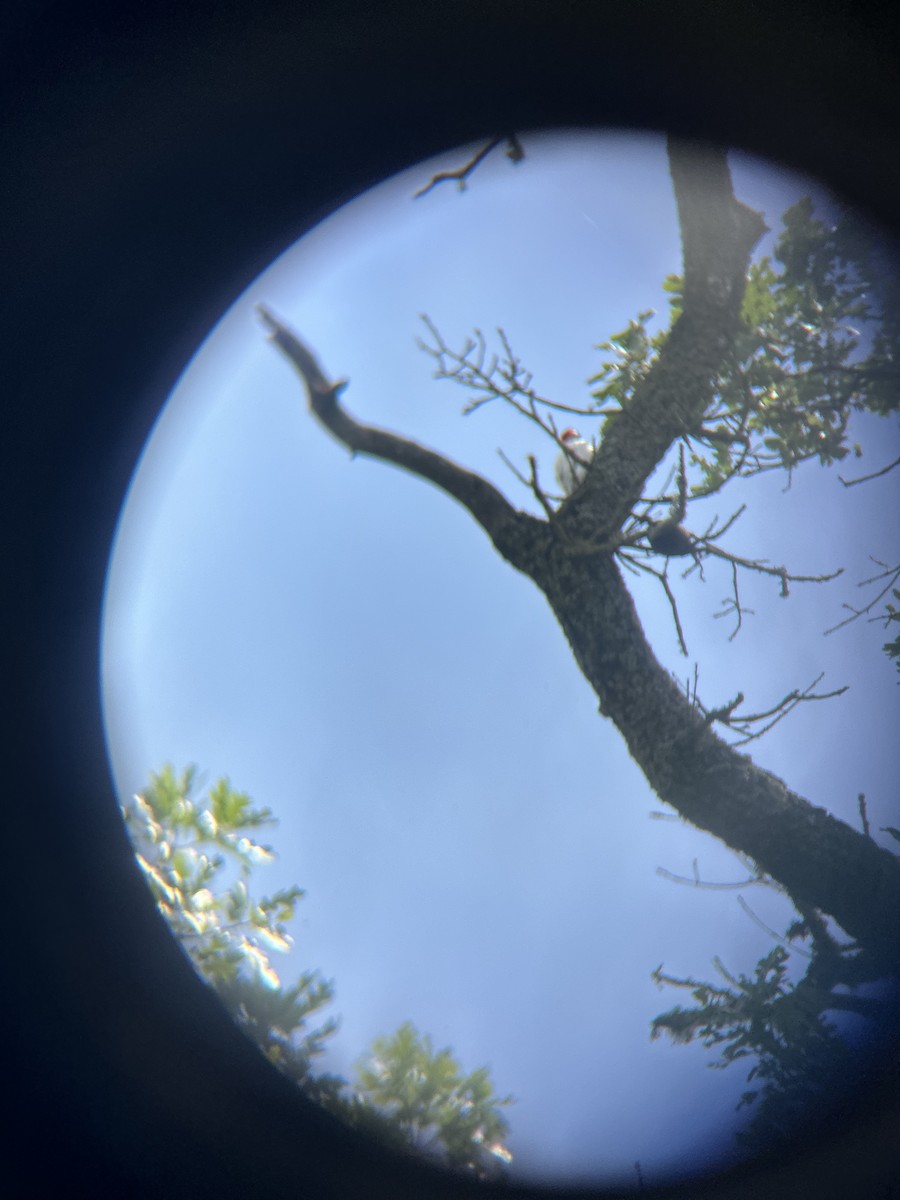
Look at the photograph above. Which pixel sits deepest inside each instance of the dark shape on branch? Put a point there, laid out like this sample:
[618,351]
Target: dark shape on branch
[673,541]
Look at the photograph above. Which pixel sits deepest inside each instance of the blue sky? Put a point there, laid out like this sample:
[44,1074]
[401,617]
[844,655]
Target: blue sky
[341,640]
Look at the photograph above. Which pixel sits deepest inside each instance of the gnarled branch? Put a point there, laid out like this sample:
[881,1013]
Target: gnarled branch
[486,504]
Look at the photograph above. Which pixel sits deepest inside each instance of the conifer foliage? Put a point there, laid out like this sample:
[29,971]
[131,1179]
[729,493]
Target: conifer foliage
[197,854]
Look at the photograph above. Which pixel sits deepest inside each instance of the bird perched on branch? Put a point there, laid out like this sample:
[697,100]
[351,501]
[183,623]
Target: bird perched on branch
[670,539]
[572,461]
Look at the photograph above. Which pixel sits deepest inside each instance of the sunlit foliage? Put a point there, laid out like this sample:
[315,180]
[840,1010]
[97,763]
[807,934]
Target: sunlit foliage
[197,854]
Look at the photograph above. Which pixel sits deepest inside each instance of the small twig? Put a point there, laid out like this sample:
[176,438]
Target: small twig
[507,381]
[649,503]
[694,699]
[781,710]
[795,697]
[724,972]
[514,153]
[674,607]
[726,711]
[678,515]
[863,815]
[706,884]
[496,380]
[891,574]
[874,475]
[742,724]
[713,533]
[536,488]
[704,544]
[578,412]
[732,604]
[515,470]
[826,949]
[662,577]
[739,608]
[759,565]
[772,932]
[660,978]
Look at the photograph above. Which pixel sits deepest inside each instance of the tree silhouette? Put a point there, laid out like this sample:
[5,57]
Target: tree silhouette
[761,368]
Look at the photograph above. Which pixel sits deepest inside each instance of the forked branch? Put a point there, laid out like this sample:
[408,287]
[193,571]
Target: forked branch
[744,724]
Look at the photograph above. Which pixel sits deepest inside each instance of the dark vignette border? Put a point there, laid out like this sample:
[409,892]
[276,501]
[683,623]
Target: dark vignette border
[157,158]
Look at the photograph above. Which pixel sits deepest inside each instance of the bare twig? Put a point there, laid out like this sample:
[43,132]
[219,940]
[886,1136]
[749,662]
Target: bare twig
[707,884]
[793,697]
[726,715]
[779,711]
[863,815]
[662,576]
[678,515]
[512,466]
[715,531]
[704,545]
[514,153]
[874,475]
[891,574]
[536,488]
[694,698]
[764,568]
[663,579]
[772,932]
[726,711]
[732,604]
[812,925]
[499,379]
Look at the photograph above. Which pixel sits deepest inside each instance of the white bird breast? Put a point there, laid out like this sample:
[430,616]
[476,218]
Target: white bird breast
[569,474]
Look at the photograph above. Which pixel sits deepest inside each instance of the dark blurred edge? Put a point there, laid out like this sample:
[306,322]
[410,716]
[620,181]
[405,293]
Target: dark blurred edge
[155,159]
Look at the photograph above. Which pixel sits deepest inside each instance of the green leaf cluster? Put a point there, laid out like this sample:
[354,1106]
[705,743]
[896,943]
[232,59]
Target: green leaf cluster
[819,339]
[425,1092]
[197,856]
[798,1056]
[184,846]
[634,350]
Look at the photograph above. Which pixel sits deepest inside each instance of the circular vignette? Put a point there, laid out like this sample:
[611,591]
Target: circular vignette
[163,160]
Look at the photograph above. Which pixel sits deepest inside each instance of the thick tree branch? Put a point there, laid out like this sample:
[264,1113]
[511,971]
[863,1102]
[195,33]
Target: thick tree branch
[718,234]
[819,860]
[504,524]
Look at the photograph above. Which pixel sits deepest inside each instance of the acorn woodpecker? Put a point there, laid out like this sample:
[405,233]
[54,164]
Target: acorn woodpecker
[572,462]
[671,540]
